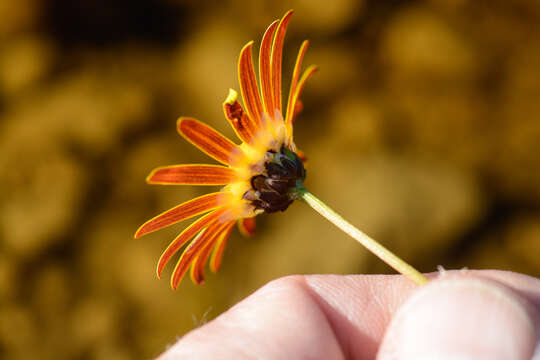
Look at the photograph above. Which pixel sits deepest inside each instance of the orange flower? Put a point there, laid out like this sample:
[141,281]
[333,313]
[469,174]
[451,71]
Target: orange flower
[260,174]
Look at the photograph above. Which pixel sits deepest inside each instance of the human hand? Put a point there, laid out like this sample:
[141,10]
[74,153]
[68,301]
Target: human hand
[458,315]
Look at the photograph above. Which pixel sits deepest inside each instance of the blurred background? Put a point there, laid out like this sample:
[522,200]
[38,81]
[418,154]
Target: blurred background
[421,127]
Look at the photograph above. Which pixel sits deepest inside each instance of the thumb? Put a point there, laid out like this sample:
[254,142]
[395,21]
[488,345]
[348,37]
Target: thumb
[462,318]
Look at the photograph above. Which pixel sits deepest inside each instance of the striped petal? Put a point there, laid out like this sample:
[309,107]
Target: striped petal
[208,140]
[192,175]
[294,82]
[293,100]
[194,277]
[298,107]
[186,235]
[248,84]
[247,226]
[242,124]
[193,249]
[183,211]
[277,52]
[265,76]
[217,254]
[197,267]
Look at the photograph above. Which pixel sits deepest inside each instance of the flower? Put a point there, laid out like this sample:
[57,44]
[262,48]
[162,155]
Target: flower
[260,175]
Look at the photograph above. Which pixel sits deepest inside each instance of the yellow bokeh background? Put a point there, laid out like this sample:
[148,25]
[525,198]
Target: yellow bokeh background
[422,128]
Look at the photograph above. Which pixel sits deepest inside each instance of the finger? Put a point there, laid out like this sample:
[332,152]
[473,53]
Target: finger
[318,316]
[460,317]
[332,316]
[276,321]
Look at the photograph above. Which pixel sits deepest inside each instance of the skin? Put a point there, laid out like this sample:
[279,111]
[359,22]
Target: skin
[457,315]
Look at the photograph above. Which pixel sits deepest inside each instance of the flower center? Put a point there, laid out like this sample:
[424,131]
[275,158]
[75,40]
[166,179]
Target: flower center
[274,189]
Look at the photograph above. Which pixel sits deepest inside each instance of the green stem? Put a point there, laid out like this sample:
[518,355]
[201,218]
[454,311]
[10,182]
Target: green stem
[383,253]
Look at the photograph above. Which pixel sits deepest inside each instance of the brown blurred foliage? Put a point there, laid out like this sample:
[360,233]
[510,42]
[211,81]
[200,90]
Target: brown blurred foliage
[422,127]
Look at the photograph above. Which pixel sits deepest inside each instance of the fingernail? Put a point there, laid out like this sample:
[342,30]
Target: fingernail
[462,318]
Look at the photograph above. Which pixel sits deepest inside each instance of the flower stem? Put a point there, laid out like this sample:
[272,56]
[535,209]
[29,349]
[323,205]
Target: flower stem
[372,245]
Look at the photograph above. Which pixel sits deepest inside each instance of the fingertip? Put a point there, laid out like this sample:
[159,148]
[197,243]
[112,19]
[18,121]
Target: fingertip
[461,317]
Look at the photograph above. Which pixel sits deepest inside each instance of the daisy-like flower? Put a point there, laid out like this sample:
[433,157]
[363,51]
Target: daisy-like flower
[259,175]
[264,173]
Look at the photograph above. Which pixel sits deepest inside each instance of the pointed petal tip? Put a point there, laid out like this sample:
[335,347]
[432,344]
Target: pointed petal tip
[181,120]
[140,232]
[247,226]
[151,175]
[180,123]
[176,279]
[174,282]
[271,27]
[247,47]
[195,279]
[287,14]
[159,269]
[274,23]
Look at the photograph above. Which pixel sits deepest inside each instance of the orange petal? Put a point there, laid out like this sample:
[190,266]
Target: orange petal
[277,51]
[302,156]
[244,127]
[296,95]
[193,249]
[205,236]
[195,276]
[297,109]
[247,226]
[265,76]
[197,267]
[207,140]
[217,254]
[296,74]
[192,175]
[186,235]
[181,212]
[248,84]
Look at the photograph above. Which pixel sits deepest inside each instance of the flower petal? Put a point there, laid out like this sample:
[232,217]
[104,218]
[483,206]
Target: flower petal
[193,249]
[207,140]
[197,267]
[248,84]
[247,226]
[217,254]
[265,76]
[289,116]
[298,107]
[181,212]
[192,175]
[277,52]
[186,235]
[195,276]
[296,95]
[243,126]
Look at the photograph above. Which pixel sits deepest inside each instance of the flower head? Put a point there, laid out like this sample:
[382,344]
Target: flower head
[259,175]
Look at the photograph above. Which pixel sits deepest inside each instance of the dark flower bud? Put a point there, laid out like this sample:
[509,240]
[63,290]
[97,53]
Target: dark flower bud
[274,190]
